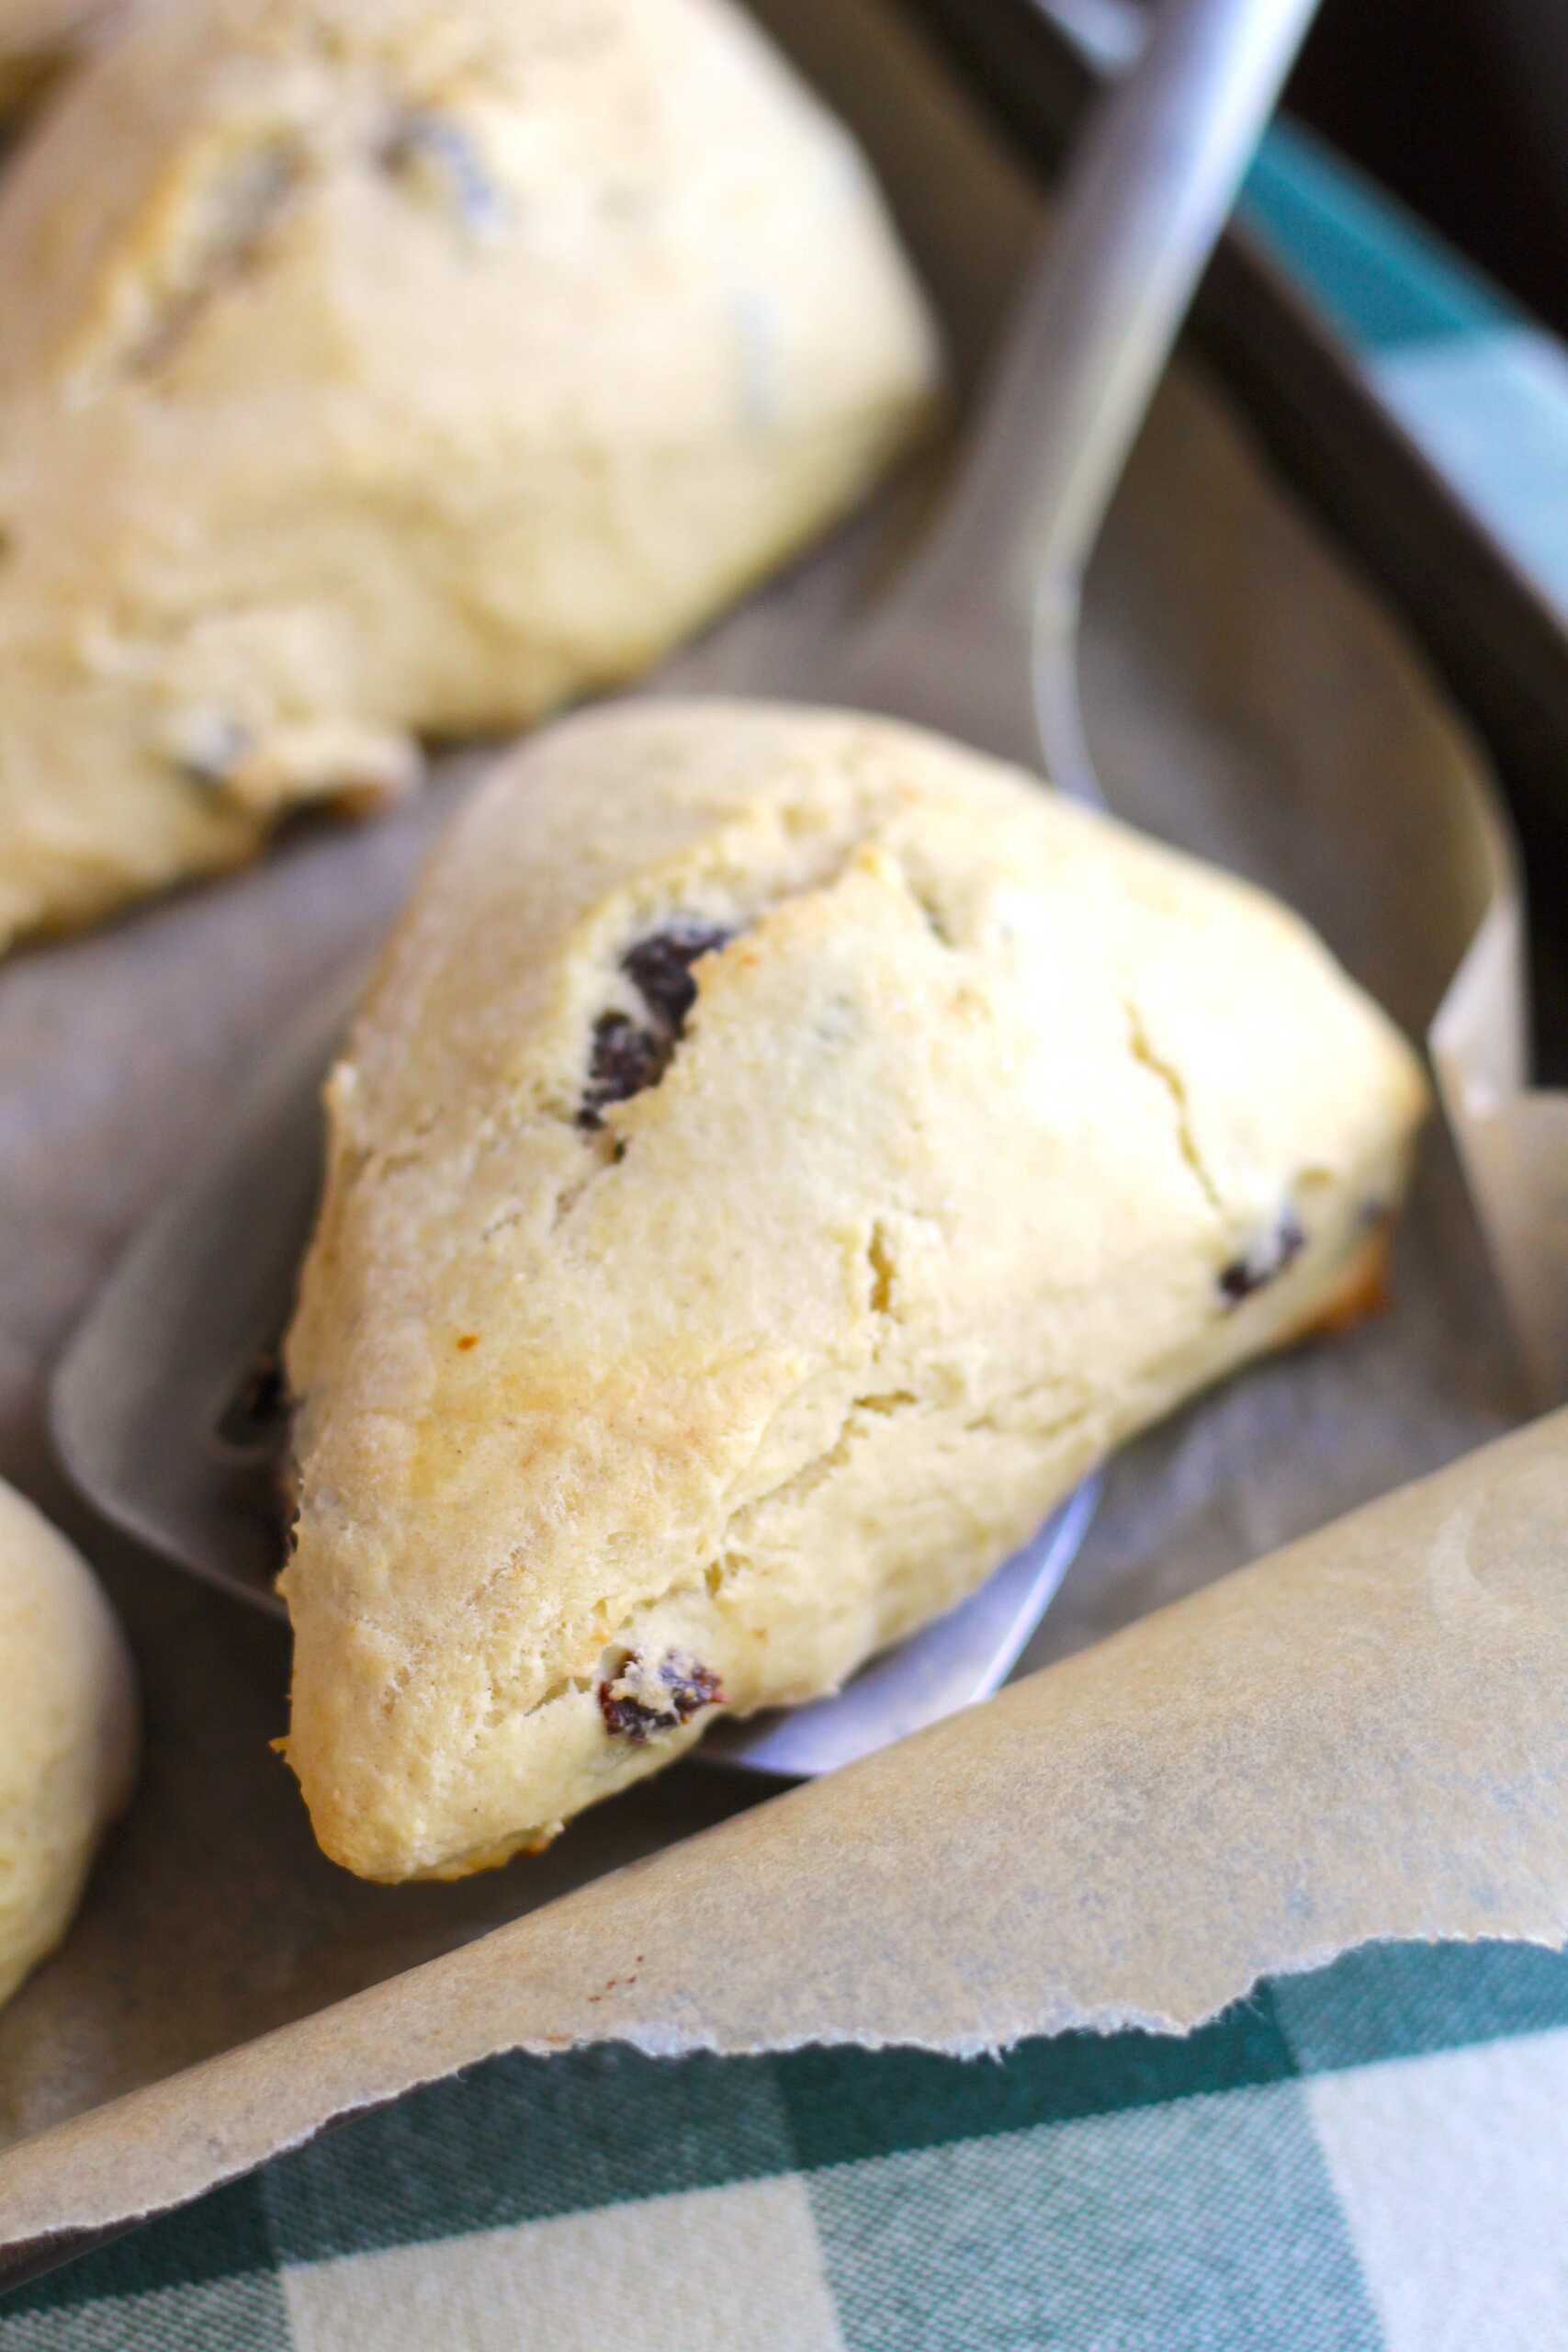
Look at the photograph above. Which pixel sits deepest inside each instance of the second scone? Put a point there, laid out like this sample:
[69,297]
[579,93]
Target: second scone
[372,370]
[745,1220]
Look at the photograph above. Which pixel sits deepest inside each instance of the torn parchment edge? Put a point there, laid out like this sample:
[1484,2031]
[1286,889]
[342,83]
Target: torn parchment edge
[1151,1764]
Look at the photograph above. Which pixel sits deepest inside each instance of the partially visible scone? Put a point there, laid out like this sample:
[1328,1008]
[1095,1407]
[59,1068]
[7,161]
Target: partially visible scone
[373,370]
[67,1732]
[747,1219]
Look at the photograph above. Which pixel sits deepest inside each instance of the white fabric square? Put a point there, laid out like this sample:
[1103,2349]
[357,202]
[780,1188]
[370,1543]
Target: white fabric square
[698,2272]
[1452,2170]
[1490,410]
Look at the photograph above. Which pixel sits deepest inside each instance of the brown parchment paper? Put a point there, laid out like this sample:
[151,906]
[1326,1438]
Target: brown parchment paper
[1359,1737]
[1198,1814]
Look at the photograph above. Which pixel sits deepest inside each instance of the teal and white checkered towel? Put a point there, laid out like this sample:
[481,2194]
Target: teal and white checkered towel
[1372,2156]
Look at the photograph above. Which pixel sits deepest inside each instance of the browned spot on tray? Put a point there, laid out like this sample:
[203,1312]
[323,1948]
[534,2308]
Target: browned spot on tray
[468,1339]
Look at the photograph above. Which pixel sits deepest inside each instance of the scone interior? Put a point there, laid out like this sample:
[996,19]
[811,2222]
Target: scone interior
[381,370]
[746,1218]
[68,1748]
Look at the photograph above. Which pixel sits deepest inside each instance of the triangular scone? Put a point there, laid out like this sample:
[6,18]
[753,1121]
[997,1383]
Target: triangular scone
[380,369]
[748,1213]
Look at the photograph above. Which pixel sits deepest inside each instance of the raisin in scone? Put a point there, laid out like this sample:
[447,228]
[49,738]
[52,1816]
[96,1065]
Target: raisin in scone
[67,1732]
[746,1218]
[376,369]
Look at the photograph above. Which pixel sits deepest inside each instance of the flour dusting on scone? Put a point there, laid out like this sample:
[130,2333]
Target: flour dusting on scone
[372,370]
[747,1217]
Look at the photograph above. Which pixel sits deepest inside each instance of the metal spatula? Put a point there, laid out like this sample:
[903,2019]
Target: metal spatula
[159,1412]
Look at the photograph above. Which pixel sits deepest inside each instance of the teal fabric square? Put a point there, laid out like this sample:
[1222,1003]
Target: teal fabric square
[523,2139]
[221,2236]
[1399,2000]
[1206,2225]
[846,2105]
[241,2312]
[1383,278]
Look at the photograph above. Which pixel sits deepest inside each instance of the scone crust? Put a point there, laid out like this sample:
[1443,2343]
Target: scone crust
[68,1754]
[377,371]
[992,1131]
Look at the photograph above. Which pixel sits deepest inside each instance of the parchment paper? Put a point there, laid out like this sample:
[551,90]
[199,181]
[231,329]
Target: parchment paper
[1362,1736]
[1196,1793]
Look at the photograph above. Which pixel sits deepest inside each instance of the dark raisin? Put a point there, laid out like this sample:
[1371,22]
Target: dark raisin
[660,969]
[691,1687]
[638,1704]
[1265,1262]
[628,1718]
[630,1055]
[626,1057]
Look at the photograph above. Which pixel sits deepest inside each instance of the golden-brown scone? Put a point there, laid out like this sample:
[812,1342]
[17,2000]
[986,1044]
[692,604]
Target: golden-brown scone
[746,1220]
[380,369]
[67,1732]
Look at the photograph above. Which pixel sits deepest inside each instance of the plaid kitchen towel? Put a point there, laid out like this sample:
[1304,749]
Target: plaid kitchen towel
[1372,2156]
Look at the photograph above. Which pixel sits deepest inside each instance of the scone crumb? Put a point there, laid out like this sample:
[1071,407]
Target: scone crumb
[642,1699]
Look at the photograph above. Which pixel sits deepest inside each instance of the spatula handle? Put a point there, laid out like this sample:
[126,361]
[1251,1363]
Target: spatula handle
[1147,191]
